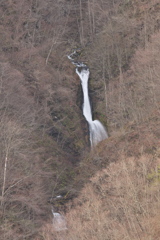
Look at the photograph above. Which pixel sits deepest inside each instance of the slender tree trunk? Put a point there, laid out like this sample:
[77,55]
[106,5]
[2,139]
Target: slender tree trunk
[81,23]
[90,19]
[4,178]
[93,17]
[104,82]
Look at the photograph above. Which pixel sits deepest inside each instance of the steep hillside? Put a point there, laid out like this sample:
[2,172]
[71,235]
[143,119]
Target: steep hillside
[113,58]
[41,137]
[44,145]
[120,201]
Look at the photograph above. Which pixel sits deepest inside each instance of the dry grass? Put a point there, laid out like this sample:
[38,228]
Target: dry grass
[119,203]
[134,95]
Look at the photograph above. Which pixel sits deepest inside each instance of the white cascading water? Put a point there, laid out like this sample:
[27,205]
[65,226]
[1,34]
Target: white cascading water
[96,129]
[59,222]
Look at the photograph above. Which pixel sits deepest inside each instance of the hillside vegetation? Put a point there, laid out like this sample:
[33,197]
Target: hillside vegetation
[111,192]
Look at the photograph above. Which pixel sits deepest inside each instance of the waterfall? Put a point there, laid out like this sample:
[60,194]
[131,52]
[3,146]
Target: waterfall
[59,222]
[96,129]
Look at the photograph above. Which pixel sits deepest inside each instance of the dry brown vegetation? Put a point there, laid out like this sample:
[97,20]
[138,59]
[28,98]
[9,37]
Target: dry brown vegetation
[38,142]
[43,136]
[137,90]
[120,202]
[132,25]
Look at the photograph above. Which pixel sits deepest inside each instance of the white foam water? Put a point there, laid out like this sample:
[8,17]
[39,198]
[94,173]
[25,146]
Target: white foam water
[96,129]
[59,222]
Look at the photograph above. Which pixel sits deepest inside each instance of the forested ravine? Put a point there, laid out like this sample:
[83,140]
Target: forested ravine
[45,154]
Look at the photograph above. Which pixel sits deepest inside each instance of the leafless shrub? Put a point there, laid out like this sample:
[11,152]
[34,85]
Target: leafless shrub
[119,203]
